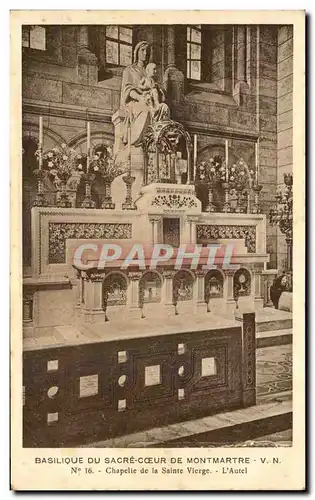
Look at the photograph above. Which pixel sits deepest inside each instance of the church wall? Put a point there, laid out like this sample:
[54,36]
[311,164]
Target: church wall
[267,110]
[284,116]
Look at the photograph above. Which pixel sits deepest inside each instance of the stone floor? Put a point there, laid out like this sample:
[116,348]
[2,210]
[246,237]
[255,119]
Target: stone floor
[269,423]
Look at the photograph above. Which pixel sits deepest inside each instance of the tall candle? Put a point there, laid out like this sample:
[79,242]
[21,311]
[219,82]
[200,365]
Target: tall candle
[40,162]
[195,155]
[88,145]
[257,160]
[226,160]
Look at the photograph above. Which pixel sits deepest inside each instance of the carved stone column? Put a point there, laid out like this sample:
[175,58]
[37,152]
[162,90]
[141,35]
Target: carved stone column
[77,288]
[93,297]
[249,356]
[173,78]
[192,221]
[167,293]
[199,292]
[256,289]
[87,61]
[133,294]
[228,292]
[155,221]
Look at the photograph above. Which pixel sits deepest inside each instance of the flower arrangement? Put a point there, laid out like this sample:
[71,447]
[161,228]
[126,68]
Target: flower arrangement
[239,176]
[212,172]
[61,162]
[103,163]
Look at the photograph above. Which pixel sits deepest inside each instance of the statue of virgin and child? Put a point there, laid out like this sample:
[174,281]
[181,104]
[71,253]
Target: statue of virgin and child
[142,98]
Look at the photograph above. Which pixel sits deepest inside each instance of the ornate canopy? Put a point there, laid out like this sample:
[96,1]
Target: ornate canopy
[164,137]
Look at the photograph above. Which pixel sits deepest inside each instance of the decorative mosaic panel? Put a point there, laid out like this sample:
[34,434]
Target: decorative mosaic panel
[233,232]
[60,232]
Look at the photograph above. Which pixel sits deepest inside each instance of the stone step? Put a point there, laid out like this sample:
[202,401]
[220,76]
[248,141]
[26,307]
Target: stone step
[269,319]
[273,337]
[225,429]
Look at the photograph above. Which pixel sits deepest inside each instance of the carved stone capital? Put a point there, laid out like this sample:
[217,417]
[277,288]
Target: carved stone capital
[229,272]
[135,275]
[192,218]
[200,273]
[155,218]
[95,277]
[168,274]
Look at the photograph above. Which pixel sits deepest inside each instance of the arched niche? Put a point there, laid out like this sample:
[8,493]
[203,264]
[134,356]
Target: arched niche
[242,282]
[183,286]
[214,281]
[150,286]
[115,287]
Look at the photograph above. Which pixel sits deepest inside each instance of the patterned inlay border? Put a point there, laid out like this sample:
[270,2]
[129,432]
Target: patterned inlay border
[216,232]
[59,232]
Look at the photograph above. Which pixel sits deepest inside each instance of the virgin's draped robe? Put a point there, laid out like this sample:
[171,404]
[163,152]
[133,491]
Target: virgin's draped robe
[138,113]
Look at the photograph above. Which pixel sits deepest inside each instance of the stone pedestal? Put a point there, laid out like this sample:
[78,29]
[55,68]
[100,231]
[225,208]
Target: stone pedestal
[168,199]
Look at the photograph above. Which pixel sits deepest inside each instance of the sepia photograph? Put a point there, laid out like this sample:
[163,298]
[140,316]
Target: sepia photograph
[157,242]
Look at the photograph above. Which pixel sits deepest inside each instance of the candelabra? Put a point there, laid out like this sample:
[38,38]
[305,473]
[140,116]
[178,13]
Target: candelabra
[40,200]
[283,215]
[128,204]
[226,205]
[256,188]
[108,201]
[88,202]
[210,205]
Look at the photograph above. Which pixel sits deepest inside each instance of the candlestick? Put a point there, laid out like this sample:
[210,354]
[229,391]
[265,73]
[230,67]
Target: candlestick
[129,148]
[195,155]
[226,160]
[88,145]
[257,160]
[40,157]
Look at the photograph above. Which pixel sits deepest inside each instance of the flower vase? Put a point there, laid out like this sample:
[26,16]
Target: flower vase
[87,201]
[63,200]
[128,204]
[210,205]
[108,202]
[40,200]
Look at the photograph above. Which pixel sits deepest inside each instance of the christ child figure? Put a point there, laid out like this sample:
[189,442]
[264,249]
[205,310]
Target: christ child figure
[150,88]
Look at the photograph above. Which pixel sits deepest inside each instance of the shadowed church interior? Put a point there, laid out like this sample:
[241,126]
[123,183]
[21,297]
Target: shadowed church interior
[159,135]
